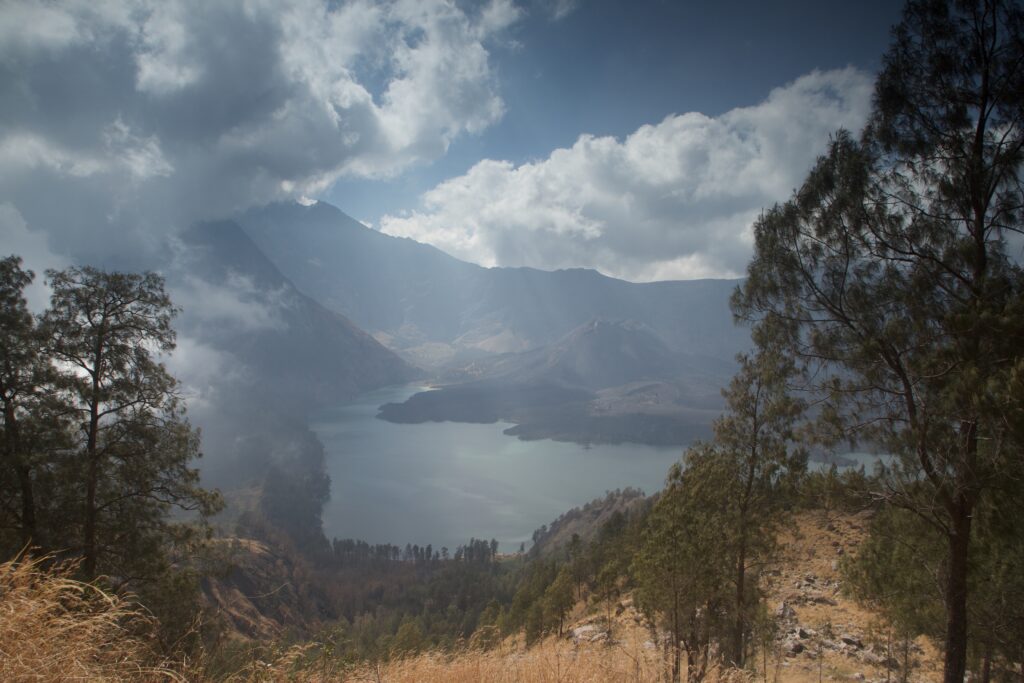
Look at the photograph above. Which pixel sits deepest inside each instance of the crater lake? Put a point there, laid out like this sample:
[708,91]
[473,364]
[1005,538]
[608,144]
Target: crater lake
[445,482]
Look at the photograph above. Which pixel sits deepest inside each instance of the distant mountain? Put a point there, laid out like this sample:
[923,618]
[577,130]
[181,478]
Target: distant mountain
[596,355]
[569,355]
[605,381]
[301,351]
[438,311]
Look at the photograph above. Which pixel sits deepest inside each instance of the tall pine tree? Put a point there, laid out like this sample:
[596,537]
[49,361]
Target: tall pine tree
[134,452]
[888,274]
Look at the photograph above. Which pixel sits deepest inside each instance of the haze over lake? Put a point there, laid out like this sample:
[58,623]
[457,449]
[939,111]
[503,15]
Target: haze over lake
[444,482]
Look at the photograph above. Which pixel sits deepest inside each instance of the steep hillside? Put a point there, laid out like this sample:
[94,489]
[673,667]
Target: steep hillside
[820,628]
[258,355]
[586,521]
[436,309]
[822,634]
[68,629]
[244,306]
[264,593]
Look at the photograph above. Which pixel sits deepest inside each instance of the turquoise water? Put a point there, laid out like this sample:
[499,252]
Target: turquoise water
[444,482]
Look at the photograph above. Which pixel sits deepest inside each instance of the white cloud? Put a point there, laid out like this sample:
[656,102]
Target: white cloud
[21,152]
[202,370]
[166,59]
[671,200]
[34,251]
[187,109]
[562,8]
[237,303]
[30,27]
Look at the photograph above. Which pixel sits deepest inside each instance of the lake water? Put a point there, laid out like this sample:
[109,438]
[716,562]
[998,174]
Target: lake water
[444,482]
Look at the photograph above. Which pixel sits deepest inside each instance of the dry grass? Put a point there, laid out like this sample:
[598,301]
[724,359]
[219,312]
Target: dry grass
[53,628]
[553,661]
[813,546]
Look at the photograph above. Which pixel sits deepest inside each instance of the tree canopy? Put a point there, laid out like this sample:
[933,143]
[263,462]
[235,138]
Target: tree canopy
[91,413]
[889,274]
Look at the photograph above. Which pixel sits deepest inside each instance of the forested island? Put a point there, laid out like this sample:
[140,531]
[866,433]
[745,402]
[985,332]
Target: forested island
[554,412]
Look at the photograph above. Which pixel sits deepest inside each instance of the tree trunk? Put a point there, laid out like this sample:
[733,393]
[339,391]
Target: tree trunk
[738,646]
[676,658]
[986,665]
[92,475]
[92,450]
[28,508]
[24,474]
[956,595]
[89,540]
[905,677]
[738,628]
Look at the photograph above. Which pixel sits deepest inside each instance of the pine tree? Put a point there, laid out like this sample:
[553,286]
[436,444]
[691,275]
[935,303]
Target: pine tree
[135,448]
[558,598]
[409,638]
[682,569]
[755,442]
[20,347]
[888,274]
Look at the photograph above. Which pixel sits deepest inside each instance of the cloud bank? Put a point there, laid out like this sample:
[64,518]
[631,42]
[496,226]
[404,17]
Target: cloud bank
[674,200]
[123,120]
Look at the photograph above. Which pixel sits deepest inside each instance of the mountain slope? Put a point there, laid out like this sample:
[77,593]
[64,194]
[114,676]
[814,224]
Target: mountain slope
[436,309]
[241,304]
[596,355]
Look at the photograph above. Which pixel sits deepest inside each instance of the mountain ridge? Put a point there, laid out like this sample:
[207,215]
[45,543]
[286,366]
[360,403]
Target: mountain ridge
[436,310]
[307,351]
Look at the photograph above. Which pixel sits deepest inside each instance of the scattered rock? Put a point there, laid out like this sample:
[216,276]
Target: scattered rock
[583,632]
[785,612]
[820,600]
[852,640]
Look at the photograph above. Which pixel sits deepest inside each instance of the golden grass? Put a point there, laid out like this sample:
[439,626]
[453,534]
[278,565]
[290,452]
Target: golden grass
[555,660]
[53,628]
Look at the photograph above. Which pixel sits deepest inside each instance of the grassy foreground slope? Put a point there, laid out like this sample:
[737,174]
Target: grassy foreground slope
[54,628]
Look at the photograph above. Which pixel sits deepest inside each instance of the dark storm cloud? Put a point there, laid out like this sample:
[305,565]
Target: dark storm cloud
[123,121]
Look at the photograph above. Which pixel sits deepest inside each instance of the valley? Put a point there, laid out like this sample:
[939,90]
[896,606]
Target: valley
[529,371]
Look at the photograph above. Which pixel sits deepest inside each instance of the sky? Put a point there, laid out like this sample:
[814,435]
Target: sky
[639,138]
